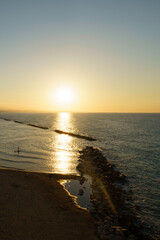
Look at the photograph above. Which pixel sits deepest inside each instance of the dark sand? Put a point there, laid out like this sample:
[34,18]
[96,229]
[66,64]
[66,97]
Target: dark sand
[35,206]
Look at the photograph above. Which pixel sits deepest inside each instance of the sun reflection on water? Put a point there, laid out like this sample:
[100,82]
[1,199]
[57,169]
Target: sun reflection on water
[63,156]
[63,121]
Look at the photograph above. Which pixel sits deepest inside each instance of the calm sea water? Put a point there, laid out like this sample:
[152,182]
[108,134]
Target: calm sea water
[130,141]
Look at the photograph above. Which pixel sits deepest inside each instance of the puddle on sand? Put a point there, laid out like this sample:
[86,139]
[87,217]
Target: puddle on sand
[81,191]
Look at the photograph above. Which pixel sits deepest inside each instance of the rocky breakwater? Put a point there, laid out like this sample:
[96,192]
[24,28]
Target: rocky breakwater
[116,217]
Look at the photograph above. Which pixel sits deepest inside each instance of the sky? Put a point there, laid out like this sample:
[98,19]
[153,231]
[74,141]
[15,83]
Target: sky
[105,53]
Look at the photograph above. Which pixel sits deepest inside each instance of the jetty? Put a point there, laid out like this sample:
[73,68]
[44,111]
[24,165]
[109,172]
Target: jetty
[56,130]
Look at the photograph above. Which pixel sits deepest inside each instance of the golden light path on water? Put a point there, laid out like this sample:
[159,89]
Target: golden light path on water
[62,156]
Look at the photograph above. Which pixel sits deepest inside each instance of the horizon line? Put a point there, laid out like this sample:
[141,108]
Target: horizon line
[36,111]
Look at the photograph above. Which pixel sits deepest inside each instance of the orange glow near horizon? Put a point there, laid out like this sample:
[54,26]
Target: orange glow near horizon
[84,97]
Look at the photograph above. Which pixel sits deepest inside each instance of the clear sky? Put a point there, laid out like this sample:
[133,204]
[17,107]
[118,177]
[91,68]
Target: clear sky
[105,52]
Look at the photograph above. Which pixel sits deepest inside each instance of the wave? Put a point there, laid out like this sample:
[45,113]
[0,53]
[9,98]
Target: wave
[14,161]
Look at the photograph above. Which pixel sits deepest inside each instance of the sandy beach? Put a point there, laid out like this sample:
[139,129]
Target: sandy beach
[36,206]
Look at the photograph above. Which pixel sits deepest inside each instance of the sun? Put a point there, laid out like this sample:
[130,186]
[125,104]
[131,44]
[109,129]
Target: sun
[64,96]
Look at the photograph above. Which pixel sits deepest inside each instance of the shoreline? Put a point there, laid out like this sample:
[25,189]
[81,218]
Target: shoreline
[36,206]
[112,216]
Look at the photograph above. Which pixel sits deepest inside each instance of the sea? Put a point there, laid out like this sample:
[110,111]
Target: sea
[130,141]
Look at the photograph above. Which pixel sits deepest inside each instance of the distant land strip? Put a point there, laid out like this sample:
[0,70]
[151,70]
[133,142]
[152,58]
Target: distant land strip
[57,131]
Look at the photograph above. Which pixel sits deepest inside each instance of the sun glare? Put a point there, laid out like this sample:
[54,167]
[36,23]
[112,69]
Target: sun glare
[64,96]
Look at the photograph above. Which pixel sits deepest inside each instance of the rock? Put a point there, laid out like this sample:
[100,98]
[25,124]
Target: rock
[104,236]
[110,237]
[81,192]
[123,178]
[108,230]
[137,207]
[107,191]
[93,211]
[118,232]
[132,237]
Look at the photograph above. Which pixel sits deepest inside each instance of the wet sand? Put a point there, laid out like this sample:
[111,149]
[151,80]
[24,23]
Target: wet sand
[36,206]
